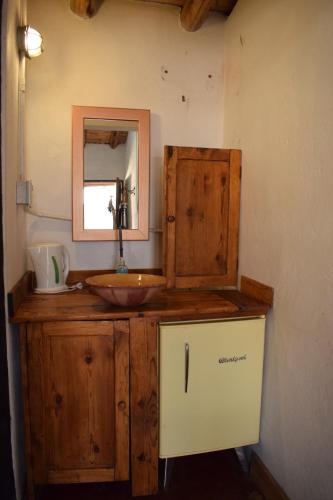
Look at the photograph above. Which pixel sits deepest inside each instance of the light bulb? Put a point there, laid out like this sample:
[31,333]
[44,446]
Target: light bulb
[30,41]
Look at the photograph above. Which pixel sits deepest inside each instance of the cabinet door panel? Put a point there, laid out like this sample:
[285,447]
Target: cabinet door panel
[78,372]
[201,216]
[80,418]
[202,205]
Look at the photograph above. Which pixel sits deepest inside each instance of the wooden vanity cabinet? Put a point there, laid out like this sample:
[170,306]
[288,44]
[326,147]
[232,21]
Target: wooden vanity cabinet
[78,399]
[90,379]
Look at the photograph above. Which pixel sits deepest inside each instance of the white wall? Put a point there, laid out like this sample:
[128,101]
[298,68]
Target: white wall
[103,163]
[279,111]
[119,58]
[131,178]
[14,232]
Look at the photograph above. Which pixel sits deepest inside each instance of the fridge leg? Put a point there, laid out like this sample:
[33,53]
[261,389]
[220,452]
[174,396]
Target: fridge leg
[165,475]
[242,458]
[167,472]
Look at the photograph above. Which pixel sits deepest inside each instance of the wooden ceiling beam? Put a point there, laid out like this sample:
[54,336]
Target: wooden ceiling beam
[223,6]
[85,8]
[194,13]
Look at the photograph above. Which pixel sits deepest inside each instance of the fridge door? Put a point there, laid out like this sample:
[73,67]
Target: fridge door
[210,385]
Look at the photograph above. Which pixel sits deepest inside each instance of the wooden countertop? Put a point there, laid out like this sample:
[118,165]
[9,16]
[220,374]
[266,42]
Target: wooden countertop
[168,305]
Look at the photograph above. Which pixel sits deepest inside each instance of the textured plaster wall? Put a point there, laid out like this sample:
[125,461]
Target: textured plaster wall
[14,230]
[134,55]
[103,163]
[279,111]
[131,177]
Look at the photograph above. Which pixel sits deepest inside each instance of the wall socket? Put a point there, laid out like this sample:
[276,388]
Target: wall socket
[23,192]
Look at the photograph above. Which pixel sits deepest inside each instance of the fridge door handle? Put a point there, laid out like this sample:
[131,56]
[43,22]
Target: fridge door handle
[187,363]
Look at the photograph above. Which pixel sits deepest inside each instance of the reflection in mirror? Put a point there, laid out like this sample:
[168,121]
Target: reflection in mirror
[110,173]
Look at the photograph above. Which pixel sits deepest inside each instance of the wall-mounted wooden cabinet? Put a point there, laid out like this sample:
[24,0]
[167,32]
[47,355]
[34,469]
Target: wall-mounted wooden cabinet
[78,397]
[201,217]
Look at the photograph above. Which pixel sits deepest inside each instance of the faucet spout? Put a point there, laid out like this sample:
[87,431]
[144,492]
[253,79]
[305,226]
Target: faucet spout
[121,268]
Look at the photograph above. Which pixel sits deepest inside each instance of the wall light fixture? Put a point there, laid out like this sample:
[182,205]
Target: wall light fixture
[30,41]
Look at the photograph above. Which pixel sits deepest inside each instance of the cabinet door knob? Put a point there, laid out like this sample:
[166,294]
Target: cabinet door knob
[171,218]
[122,405]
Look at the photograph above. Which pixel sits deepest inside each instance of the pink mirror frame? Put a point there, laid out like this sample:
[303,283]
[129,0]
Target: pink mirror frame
[142,116]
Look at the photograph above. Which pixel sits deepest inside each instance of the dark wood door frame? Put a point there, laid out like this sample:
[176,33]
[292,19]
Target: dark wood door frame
[7,486]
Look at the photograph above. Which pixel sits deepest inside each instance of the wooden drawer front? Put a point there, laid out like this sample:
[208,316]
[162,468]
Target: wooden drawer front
[79,400]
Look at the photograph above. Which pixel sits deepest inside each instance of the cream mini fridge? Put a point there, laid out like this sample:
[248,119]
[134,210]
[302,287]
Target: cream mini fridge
[210,385]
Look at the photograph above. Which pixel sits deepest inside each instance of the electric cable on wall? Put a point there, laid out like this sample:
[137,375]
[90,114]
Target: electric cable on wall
[45,215]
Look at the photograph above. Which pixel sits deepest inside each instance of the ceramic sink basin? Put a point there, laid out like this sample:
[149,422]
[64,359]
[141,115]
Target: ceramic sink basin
[126,289]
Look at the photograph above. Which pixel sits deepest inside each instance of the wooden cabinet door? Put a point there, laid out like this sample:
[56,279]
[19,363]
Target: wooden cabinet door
[79,400]
[201,219]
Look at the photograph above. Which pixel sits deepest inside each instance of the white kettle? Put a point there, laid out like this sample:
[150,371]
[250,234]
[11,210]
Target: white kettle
[51,264]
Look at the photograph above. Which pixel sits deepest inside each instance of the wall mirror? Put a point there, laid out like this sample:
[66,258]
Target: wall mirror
[110,173]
